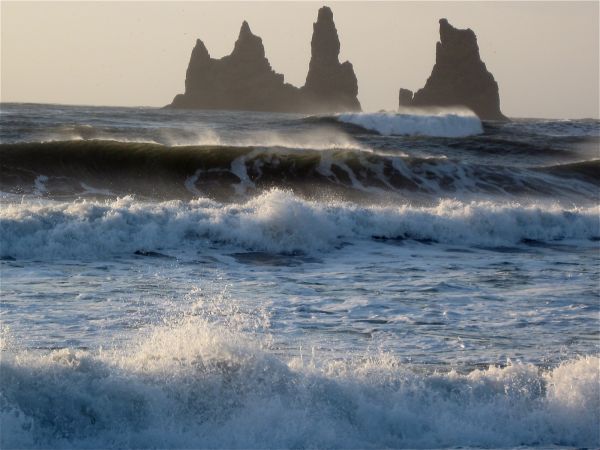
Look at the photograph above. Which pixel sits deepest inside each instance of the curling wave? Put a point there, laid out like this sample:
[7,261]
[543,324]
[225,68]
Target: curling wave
[224,172]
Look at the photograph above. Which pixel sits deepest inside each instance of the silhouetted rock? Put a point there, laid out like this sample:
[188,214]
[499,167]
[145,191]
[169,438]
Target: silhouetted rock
[405,97]
[244,80]
[330,83]
[458,78]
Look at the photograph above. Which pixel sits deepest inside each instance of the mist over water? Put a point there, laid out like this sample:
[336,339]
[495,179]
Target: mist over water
[190,279]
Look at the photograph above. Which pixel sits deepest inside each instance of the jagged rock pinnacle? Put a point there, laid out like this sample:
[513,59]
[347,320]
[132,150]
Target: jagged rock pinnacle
[459,77]
[245,80]
[245,28]
[248,46]
[327,79]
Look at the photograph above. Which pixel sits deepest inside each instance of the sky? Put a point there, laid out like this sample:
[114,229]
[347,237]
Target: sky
[544,55]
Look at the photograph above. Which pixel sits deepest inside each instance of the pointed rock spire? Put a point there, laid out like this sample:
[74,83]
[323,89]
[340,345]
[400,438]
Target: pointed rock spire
[330,83]
[459,77]
[200,51]
[248,46]
[199,60]
[325,44]
[245,28]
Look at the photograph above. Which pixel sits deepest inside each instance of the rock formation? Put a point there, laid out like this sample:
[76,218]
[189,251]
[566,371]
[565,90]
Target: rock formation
[329,83]
[405,97]
[244,80]
[458,78]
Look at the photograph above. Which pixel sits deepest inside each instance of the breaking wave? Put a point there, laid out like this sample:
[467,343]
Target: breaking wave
[224,172]
[187,134]
[195,384]
[276,221]
[443,124]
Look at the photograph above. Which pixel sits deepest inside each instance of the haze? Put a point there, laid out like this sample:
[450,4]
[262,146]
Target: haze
[544,55]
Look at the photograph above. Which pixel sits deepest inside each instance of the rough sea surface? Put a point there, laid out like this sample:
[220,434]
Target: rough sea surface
[209,279]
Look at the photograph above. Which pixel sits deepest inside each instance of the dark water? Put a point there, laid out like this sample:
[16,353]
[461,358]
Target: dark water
[173,154]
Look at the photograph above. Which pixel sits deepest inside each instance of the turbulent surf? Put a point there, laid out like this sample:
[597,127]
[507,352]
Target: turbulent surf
[213,279]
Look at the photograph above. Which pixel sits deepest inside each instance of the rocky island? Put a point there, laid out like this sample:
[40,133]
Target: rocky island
[459,77]
[244,80]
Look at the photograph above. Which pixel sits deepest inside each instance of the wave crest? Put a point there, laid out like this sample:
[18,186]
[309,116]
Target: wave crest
[276,221]
[223,173]
[442,124]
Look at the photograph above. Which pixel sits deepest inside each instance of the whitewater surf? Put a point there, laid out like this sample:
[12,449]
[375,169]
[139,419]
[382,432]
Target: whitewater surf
[212,279]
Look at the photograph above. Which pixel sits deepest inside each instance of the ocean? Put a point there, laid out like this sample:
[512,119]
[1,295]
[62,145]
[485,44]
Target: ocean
[213,279]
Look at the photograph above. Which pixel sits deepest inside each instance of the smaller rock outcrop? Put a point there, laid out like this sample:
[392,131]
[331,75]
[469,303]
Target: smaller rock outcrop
[459,77]
[329,83]
[405,97]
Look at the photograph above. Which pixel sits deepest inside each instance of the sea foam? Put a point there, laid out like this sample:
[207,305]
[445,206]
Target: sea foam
[195,384]
[442,124]
[275,221]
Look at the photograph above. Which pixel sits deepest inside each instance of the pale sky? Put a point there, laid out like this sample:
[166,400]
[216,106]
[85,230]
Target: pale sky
[544,55]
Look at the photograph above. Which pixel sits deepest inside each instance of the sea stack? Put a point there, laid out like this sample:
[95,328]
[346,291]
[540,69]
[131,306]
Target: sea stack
[330,84]
[459,77]
[244,80]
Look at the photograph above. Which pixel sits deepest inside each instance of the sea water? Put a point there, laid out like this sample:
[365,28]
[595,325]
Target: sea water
[210,279]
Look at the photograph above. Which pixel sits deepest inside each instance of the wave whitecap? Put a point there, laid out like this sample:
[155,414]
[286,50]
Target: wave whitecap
[194,384]
[445,124]
[275,221]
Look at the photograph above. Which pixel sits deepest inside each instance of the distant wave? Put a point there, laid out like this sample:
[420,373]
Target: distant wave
[192,134]
[193,384]
[276,222]
[224,172]
[556,128]
[436,125]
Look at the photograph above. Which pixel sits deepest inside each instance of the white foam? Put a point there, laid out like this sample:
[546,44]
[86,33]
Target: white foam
[194,384]
[276,221]
[190,182]
[238,168]
[441,124]
[40,184]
